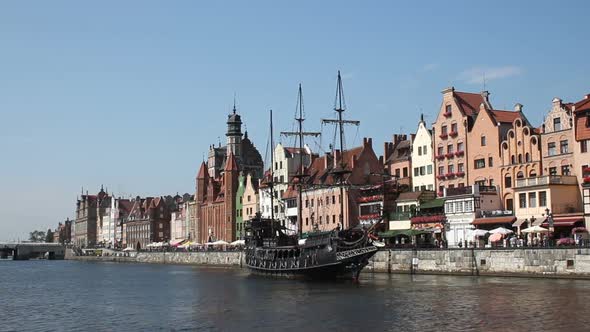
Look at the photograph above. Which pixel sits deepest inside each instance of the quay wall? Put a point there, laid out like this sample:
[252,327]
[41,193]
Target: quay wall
[571,262]
[563,263]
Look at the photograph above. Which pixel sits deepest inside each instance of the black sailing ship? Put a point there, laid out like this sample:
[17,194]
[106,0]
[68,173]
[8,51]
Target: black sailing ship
[320,255]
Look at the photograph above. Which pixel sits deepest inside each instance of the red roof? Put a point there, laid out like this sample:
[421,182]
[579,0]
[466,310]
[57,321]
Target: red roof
[469,102]
[202,171]
[494,220]
[583,105]
[230,164]
[506,116]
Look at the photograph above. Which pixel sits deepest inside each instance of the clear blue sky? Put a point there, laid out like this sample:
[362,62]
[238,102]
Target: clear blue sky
[130,94]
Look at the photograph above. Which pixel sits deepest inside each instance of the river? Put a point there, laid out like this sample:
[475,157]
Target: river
[88,296]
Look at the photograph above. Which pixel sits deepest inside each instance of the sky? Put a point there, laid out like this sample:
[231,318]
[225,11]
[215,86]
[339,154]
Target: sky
[130,94]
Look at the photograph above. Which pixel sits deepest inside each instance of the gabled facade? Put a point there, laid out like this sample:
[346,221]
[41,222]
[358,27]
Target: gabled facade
[321,198]
[85,224]
[520,157]
[423,159]
[557,140]
[397,158]
[450,137]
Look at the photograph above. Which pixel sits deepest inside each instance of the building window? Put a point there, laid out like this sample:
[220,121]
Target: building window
[306,221]
[491,182]
[320,220]
[551,149]
[451,169]
[405,172]
[460,146]
[522,201]
[397,173]
[480,183]
[563,146]
[448,109]
[490,161]
[508,181]
[469,206]
[416,188]
[276,165]
[333,199]
[542,198]
[419,150]
[565,170]
[424,149]
[479,163]
[443,130]
[584,146]
[532,200]
[460,167]
[512,160]
[454,127]
[527,157]
[552,170]
[429,169]
[483,140]
[556,124]
[280,164]
[422,170]
[441,150]
[441,170]
[450,148]
[307,203]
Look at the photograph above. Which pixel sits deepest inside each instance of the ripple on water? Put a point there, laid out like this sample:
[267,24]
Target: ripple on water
[77,296]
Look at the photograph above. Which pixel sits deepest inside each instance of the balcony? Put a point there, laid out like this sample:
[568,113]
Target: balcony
[443,136]
[450,155]
[447,114]
[460,153]
[471,190]
[546,180]
[460,174]
[396,216]
[440,177]
[453,134]
[424,219]
[450,175]
[441,156]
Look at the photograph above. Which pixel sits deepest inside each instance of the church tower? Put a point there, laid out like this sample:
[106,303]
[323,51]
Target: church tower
[234,134]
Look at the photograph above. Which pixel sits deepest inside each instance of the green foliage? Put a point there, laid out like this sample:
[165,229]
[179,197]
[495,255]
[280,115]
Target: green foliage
[37,236]
[49,236]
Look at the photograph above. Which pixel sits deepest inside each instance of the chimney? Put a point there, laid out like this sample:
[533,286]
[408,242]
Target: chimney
[387,150]
[395,139]
[518,107]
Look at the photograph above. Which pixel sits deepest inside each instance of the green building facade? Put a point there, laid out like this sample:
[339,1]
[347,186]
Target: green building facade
[239,199]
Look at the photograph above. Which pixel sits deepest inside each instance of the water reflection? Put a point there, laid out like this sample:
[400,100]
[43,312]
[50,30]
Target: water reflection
[75,296]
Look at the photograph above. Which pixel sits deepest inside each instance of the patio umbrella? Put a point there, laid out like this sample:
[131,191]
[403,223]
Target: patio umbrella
[501,230]
[535,229]
[479,232]
[238,243]
[496,237]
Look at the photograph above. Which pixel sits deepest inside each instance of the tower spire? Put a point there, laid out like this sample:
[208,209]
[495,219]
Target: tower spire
[234,110]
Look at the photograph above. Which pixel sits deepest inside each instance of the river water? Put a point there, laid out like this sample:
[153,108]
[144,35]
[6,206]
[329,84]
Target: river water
[80,296]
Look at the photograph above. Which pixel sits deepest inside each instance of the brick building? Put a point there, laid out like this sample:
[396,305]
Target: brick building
[148,222]
[85,224]
[397,158]
[217,183]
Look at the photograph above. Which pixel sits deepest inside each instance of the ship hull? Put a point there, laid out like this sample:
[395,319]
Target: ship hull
[343,265]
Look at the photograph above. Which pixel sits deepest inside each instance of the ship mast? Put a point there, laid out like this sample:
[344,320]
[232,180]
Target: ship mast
[340,171]
[271,184]
[301,171]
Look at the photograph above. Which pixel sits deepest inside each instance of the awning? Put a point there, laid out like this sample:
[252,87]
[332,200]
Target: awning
[519,222]
[494,220]
[435,203]
[563,222]
[405,232]
[176,242]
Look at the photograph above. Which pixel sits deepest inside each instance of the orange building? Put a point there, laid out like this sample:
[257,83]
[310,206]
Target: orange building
[557,138]
[450,137]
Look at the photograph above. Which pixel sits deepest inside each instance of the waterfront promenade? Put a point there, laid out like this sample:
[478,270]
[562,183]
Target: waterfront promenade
[524,262]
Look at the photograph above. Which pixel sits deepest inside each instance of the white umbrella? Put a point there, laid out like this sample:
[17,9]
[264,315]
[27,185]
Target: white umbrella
[501,230]
[479,232]
[535,229]
[217,243]
[128,249]
[238,243]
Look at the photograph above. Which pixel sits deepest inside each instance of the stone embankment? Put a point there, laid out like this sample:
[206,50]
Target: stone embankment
[569,263]
[564,263]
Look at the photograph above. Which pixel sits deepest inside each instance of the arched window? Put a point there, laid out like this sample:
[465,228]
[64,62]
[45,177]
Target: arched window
[507,181]
[512,160]
[532,173]
[519,175]
[520,158]
[527,157]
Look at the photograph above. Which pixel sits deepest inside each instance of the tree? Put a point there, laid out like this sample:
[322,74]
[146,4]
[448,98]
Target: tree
[49,236]
[37,236]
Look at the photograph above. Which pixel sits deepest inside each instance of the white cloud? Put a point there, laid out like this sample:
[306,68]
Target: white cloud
[476,75]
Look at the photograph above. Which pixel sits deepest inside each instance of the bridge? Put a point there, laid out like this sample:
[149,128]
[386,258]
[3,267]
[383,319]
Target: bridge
[25,251]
